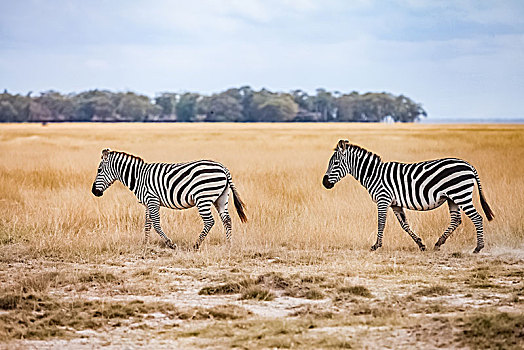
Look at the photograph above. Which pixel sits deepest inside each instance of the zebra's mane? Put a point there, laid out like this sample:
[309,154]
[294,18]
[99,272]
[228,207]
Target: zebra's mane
[357,148]
[128,155]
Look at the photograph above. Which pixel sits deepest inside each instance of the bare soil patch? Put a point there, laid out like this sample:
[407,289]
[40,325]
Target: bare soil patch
[242,300]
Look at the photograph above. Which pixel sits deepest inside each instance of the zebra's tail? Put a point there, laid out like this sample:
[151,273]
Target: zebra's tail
[239,205]
[487,210]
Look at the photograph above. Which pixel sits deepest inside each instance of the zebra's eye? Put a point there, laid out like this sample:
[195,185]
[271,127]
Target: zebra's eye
[337,162]
[99,170]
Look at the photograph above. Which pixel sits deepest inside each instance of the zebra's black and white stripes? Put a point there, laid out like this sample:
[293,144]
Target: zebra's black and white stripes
[417,186]
[178,186]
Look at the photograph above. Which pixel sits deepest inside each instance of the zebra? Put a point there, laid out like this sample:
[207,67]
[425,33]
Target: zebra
[416,186]
[198,183]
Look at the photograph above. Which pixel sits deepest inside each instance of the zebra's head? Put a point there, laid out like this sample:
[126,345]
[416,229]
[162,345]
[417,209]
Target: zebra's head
[105,176]
[337,167]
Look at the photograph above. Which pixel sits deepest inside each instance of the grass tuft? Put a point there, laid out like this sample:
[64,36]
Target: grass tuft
[356,290]
[273,280]
[9,301]
[97,276]
[435,290]
[493,331]
[257,293]
[219,312]
[227,288]
[313,311]
[314,294]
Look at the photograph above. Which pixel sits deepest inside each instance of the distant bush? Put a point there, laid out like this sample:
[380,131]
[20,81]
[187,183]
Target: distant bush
[233,105]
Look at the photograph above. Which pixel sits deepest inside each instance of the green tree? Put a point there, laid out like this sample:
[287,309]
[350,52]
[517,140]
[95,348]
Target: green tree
[347,108]
[270,107]
[325,103]
[39,112]
[303,100]
[133,107]
[376,107]
[167,102]
[246,99]
[405,110]
[8,113]
[186,108]
[94,105]
[15,107]
[61,107]
[223,107]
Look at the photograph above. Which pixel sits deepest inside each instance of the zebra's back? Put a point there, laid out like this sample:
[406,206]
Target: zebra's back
[183,185]
[426,185]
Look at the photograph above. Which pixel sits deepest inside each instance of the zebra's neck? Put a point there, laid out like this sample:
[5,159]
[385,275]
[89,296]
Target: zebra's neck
[128,169]
[364,166]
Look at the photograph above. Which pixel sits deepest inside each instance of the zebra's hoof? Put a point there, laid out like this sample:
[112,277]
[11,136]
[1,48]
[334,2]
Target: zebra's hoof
[375,247]
[422,247]
[477,250]
[171,245]
[196,247]
[439,243]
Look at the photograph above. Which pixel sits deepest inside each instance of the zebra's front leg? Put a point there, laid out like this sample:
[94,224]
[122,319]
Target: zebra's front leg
[401,216]
[204,209]
[154,215]
[147,228]
[382,214]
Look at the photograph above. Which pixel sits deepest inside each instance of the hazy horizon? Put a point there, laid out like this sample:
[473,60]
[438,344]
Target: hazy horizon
[460,60]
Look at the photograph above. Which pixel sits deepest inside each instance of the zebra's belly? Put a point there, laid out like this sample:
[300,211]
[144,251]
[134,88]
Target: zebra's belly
[173,203]
[435,204]
[178,206]
[426,206]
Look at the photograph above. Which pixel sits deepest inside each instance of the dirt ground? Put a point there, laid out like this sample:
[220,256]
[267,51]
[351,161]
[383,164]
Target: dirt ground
[274,298]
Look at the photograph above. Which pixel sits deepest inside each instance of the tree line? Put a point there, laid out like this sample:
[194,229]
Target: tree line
[233,105]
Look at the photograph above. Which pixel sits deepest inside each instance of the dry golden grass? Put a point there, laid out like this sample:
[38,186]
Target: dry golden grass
[299,273]
[46,175]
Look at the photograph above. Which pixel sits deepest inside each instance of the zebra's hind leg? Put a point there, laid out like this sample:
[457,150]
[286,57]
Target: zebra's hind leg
[477,221]
[456,220]
[154,214]
[221,205]
[204,209]
[466,204]
[382,207]
[401,216]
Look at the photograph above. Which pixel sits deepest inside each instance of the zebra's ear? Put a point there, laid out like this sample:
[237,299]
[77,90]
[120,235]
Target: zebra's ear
[343,145]
[105,153]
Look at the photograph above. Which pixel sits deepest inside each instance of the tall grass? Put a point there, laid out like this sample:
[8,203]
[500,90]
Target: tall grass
[46,175]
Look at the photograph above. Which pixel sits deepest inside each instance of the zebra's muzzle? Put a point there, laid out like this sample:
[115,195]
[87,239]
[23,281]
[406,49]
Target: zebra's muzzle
[96,192]
[326,183]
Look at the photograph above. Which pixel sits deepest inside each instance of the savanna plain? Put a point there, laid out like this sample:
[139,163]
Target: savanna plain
[74,272]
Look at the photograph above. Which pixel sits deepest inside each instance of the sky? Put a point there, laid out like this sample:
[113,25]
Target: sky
[459,59]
